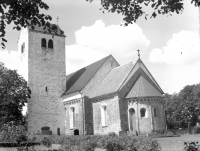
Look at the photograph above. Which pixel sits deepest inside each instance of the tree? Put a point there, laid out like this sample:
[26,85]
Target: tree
[22,13]
[133,9]
[184,107]
[189,105]
[173,115]
[14,93]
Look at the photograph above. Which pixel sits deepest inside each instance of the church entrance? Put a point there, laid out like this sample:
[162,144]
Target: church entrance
[132,120]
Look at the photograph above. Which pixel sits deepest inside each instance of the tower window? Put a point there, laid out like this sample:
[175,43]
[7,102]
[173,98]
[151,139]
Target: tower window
[50,44]
[22,48]
[43,43]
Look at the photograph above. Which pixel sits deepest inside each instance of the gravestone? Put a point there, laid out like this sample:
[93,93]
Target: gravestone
[76,132]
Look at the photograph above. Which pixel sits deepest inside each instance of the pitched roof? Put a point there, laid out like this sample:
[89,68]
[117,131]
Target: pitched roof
[119,76]
[77,81]
[113,80]
[39,28]
[142,88]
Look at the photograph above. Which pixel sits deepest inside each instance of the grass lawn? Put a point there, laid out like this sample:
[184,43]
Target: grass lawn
[176,143]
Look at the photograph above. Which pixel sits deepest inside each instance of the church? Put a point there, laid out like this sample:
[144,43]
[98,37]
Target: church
[100,98]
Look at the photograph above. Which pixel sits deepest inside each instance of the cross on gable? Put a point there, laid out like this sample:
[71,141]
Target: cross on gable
[138,53]
[57,19]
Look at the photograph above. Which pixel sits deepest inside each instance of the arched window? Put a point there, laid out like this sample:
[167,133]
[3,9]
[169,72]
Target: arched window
[43,43]
[132,118]
[104,115]
[50,44]
[72,117]
[143,112]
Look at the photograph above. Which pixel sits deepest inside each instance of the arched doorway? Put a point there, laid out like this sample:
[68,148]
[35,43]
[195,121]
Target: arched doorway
[132,120]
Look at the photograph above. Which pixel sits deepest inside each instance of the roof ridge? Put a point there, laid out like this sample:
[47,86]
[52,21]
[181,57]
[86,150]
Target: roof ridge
[99,68]
[89,65]
[152,77]
[121,66]
[86,73]
[126,76]
[102,81]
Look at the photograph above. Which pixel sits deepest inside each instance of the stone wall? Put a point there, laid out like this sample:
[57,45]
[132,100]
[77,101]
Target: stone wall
[149,122]
[113,115]
[46,79]
[91,87]
[77,104]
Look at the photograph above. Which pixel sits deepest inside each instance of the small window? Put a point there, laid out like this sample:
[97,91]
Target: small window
[22,48]
[43,43]
[72,117]
[104,115]
[50,44]
[155,112]
[143,112]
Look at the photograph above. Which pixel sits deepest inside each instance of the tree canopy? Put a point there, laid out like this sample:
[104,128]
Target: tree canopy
[134,9]
[183,107]
[22,13]
[14,93]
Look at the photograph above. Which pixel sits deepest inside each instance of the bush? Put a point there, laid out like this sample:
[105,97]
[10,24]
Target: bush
[196,130]
[191,146]
[46,142]
[110,143]
[13,133]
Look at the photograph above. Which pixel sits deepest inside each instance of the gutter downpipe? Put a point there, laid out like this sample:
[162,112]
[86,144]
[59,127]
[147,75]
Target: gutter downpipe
[83,111]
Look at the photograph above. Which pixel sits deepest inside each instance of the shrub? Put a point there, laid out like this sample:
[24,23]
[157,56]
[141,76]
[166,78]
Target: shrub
[110,143]
[13,133]
[112,134]
[196,129]
[191,146]
[46,142]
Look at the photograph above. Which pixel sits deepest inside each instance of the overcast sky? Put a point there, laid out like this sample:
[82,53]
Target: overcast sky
[170,46]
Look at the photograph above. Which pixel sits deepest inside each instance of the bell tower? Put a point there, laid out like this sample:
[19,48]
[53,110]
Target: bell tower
[43,66]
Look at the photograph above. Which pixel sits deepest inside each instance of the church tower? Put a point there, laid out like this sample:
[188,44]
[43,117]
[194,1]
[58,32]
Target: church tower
[43,66]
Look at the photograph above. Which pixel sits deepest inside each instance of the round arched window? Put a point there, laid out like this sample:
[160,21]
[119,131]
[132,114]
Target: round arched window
[143,112]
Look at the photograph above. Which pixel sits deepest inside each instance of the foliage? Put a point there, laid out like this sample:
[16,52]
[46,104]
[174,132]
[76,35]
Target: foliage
[196,130]
[110,143]
[46,142]
[183,107]
[191,146]
[14,93]
[134,9]
[22,13]
[161,133]
[13,133]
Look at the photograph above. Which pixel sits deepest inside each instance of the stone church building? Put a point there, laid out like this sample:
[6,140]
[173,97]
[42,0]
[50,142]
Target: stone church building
[100,98]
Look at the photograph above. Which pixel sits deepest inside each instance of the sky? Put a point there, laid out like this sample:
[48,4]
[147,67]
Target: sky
[170,45]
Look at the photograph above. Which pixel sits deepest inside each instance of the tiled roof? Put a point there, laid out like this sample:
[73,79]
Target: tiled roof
[113,80]
[142,88]
[77,81]
[41,29]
